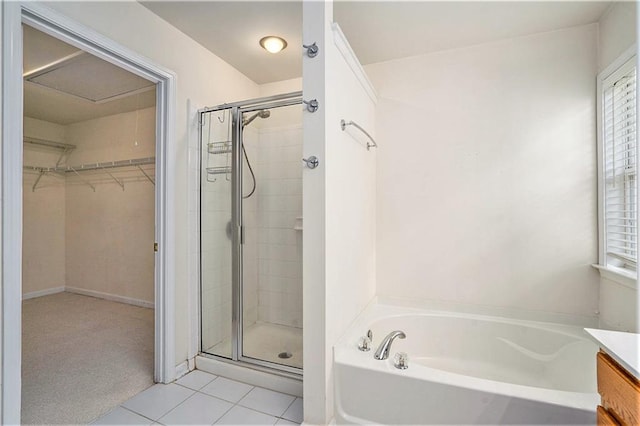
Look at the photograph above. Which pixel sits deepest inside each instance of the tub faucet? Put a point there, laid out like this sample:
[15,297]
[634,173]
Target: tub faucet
[385,346]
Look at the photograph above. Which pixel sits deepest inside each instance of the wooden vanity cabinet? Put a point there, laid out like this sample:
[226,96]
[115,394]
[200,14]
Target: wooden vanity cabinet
[619,392]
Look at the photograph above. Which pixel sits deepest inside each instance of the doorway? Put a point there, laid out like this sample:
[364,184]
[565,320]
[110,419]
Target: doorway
[62,28]
[88,233]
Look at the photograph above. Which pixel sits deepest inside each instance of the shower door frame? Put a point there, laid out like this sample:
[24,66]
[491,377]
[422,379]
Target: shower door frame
[237,109]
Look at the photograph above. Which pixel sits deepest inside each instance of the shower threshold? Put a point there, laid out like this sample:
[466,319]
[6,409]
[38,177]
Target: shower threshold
[266,342]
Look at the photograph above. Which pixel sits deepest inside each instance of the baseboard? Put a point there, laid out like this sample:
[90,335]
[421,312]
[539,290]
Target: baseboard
[112,297]
[182,369]
[40,293]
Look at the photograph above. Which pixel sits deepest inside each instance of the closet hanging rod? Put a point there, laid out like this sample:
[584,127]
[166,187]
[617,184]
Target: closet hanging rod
[344,124]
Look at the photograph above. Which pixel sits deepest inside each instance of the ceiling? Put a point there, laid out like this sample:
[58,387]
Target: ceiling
[85,87]
[232,30]
[377,30]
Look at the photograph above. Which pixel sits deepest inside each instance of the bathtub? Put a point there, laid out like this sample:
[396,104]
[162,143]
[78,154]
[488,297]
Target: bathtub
[465,369]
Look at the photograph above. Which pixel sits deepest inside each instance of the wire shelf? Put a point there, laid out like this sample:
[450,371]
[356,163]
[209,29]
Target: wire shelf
[223,147]
[218,170]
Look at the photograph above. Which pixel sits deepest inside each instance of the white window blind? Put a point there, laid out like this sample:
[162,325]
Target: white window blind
[620,168]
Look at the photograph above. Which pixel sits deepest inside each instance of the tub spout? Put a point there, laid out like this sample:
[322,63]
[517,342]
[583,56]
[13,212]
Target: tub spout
[385,346]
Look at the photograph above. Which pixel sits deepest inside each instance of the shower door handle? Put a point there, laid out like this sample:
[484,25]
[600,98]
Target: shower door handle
[312,162]
[241,233]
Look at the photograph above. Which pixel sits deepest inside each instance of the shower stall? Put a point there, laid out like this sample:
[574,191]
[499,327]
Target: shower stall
[251,232]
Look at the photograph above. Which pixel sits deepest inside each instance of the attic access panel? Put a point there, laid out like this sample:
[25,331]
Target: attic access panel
[89,77]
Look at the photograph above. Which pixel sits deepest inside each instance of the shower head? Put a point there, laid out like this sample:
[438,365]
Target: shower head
[263,113]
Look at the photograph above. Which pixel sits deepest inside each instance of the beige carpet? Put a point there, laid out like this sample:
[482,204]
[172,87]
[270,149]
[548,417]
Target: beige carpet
[82,356]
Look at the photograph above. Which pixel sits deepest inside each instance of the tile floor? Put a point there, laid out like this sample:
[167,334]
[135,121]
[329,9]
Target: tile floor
[204,399]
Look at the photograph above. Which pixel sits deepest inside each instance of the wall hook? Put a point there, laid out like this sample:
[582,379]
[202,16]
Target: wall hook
[312,49]
[312,162]
[312,105]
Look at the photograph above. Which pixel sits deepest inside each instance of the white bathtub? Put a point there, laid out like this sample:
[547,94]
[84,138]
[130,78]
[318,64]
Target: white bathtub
[465,369]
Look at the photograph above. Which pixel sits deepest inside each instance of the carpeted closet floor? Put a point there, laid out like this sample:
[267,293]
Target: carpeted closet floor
[82,356]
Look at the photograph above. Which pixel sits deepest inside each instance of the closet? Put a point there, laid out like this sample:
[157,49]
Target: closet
[88,233]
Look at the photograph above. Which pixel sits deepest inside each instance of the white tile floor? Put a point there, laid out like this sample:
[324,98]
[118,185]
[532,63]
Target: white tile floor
[204,399]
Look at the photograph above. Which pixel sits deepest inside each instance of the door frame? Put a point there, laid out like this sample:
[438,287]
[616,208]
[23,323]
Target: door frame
[36,15]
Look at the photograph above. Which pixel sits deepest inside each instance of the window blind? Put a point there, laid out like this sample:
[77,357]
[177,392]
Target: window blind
[620,169]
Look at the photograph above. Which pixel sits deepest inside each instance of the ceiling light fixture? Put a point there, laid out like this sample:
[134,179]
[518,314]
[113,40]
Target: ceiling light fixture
[273,44]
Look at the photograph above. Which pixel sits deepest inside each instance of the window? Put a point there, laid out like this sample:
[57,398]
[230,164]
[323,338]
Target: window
[619,168]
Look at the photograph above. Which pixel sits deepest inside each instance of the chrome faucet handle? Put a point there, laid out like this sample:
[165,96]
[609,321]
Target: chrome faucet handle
[364,344]
[401,361]
[370,335]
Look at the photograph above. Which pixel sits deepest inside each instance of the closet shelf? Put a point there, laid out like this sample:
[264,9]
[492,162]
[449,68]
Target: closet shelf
[65,148]
[105,166]
[49,144]
[95,166]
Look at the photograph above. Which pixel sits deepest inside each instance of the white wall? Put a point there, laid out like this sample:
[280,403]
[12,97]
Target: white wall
[110,231]
[279,87]
[338,204]
[350,195]
[40,129]
[43,236]
[618,301]
[202,78]
[487,176]
[617,32]
[76,238]
[618,304]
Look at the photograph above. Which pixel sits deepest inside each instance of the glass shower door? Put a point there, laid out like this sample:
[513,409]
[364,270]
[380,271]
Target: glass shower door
[251,232]
[272,229]
[216,232]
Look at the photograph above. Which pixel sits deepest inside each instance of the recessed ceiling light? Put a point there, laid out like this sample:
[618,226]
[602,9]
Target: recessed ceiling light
[273,44]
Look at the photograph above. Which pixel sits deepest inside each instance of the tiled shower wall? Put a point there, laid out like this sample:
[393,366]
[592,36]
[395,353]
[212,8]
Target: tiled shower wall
[279,213]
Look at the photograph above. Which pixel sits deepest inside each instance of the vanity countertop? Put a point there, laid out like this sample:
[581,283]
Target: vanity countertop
[621,346]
